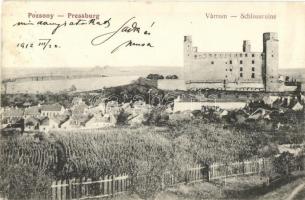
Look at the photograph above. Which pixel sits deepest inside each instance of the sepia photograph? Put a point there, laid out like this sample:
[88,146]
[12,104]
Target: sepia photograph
[152,100]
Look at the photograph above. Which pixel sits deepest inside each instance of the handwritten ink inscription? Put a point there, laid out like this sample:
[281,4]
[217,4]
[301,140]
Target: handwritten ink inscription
[112,33]
[43,43]
[124,28]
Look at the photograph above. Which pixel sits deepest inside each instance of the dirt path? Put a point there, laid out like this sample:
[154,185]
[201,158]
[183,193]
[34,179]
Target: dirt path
[295,191]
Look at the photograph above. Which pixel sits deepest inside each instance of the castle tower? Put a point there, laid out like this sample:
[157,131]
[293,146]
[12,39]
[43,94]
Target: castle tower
[270,61]
[246,46]
[188,55]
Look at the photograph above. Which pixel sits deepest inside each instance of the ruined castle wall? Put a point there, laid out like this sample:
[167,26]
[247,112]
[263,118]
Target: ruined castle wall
[231,67]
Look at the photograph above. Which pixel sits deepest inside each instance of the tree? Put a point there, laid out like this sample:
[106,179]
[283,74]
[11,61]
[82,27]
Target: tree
[284,164]
[155,76]
[171,77]
[72,88]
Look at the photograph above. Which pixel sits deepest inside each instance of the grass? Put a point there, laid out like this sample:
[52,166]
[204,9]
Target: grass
[300,195]
[247,187]
[284,188]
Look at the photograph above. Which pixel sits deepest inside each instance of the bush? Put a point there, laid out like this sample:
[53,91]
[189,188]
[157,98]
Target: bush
[155,76]
[23,181]
[284,164]
[171,77]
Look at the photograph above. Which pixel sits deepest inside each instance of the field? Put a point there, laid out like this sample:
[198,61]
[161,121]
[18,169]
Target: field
[83,84]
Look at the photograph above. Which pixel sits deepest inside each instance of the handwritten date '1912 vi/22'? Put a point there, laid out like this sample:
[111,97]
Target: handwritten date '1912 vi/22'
[42,43]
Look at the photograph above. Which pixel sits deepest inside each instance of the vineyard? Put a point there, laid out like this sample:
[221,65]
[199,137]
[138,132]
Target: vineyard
[111,152]
[90,154]
[143,151]
[95,153]
[29,151]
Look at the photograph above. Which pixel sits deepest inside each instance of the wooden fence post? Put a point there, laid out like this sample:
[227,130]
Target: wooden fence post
[112,181]
[78,188]
[71,181]
[53,190]
[243,167]
[59,189]
[162,182]
[64,190]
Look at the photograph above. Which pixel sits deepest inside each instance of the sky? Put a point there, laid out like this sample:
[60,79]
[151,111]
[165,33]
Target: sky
[167,23]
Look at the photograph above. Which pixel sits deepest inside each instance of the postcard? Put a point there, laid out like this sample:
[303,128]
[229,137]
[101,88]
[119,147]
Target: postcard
[152,100]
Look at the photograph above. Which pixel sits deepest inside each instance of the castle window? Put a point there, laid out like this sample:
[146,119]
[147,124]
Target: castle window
[246,55]
[230,70]
[253,75]
[253,69]
[241,69]
[253,62]
[241,75]
[230,61]
[272,55]
[212,62]
[253,55]
[240,62]
[195,56]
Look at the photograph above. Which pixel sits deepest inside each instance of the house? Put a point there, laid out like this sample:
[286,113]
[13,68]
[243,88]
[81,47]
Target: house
[297,107]
[100,109]
[12,113]
[223,113]
[112,106]
[76,121]
[31,123]
[13,122]
[136,120]
[33,111]
[77,101]
[27,104]
[79,109]
[269,100]
[100,121]
[52,110]
[44,124]
[260,113]
[140,107]
[240,116]
[55,122]
[11,117]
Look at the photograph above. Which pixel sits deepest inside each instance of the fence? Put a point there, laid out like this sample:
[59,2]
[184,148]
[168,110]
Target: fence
[108,186]
[86,188]
[218,171]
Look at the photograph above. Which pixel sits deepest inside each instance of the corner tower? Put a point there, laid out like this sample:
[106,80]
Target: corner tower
[187,57]
[246,46]
[270,61]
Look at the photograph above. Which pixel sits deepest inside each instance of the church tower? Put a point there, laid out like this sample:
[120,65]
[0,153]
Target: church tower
[270,61]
